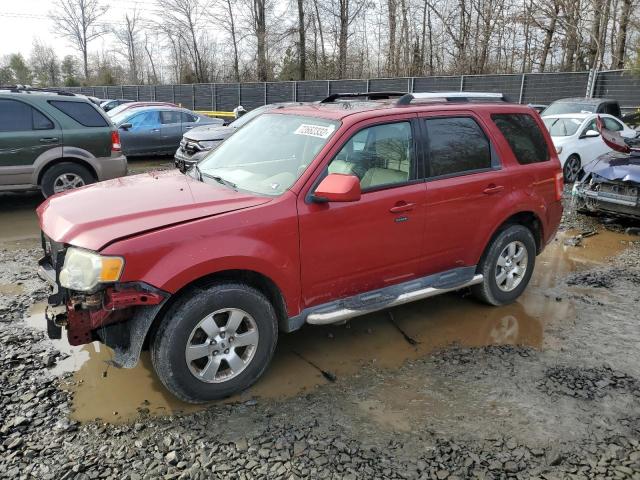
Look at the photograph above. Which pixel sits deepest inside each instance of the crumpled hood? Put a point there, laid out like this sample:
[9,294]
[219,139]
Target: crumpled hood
[98,214]
[616,166]
[209,132]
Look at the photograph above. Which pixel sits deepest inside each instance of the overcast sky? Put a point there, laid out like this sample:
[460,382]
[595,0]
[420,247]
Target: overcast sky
[21,21]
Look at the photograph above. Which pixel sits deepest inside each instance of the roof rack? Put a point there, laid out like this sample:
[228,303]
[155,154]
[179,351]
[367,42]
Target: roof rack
[367,95]
[28,88]
[451,97]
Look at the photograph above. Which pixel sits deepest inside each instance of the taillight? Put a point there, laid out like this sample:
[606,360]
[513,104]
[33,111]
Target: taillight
[559,185]
[115,141]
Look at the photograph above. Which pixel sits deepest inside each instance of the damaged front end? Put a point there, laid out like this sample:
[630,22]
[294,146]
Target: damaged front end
[92,305]
[611,183]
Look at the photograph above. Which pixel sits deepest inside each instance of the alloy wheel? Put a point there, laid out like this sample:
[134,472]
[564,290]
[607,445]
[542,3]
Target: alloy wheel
[222,345]
[67,181]
[511,266]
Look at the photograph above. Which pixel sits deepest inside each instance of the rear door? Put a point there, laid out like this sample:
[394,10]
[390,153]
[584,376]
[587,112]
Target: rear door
[354,247]
[465,186]
[25,134]
[171,130]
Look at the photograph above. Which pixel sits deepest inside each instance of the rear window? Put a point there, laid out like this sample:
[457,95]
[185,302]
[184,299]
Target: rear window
[524,137]
[456,145]
[83,113]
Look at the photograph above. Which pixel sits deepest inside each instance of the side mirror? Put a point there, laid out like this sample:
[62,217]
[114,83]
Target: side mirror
[590,134]
[125,126]
[338,188]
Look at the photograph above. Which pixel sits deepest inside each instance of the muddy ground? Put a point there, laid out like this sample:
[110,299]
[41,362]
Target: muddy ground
[548,387]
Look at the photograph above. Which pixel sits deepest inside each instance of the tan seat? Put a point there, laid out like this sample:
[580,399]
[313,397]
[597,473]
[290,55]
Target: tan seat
[383,176]
[341,166]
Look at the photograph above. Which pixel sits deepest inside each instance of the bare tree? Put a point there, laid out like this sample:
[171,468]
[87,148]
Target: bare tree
[79,22]
[302,42]
[44,64]
[127,36]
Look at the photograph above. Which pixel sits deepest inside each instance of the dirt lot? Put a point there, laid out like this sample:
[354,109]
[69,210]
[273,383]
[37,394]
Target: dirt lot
[548,387]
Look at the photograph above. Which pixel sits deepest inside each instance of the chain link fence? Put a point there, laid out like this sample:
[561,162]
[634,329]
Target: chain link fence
[536,88]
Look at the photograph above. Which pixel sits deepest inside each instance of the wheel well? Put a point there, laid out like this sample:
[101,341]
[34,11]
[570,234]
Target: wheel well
[77,161]
[256,280]
[526,219]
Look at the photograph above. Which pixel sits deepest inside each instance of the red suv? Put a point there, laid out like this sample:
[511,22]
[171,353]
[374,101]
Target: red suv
[308,214]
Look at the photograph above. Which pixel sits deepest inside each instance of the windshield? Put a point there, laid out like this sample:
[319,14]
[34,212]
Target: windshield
[241,121]
[558,108]
[562,127]
[269,154]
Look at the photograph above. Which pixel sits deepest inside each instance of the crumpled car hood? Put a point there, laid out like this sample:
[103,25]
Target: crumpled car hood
[213,132]
[96,215]
[616,166]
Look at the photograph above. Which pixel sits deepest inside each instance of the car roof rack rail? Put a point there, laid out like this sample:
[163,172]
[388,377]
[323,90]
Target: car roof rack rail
[366,95]
[28,88]
[452,97]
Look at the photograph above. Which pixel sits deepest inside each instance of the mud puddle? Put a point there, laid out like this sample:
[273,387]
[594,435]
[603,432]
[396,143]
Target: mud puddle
[318,355]
[18,221]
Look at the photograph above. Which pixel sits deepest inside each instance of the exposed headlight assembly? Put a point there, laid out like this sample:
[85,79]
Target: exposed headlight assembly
[209,144]
[84,270]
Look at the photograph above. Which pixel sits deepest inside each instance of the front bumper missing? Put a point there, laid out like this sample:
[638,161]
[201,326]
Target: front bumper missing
[608,197]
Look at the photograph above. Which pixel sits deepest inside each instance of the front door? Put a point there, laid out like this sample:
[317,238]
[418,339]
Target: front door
[143,137]
[25,133]
[350,248]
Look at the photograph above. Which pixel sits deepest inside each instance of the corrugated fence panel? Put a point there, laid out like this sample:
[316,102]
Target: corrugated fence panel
[204,96]
[544,88]
[389,85]
[312,90]
[436,84]
[164,93]
[145,93]
[280,92]
[184,96]
[100,92]
[347,86]
[251,95]
[620,85]
[114,92]
[130,92]
[506,84]
[226,96]
[86,91]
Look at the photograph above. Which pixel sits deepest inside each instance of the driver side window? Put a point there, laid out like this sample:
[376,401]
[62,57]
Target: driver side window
[381,155]
[144,120]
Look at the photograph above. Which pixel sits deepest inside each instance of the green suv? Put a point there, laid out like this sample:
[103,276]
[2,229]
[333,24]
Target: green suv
[55,141]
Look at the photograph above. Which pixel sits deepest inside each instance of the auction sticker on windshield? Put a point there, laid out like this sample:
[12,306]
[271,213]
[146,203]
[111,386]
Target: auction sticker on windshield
[318,131]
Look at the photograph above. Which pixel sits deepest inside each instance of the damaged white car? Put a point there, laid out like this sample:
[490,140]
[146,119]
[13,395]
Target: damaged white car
[611,183]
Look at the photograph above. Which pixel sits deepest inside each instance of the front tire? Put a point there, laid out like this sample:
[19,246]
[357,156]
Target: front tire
[214,342]
[506,266]
[571,168]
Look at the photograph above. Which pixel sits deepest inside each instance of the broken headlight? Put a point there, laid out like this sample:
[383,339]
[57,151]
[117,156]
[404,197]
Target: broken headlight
[83,270]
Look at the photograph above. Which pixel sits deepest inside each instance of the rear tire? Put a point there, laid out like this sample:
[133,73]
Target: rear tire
[64,176]
[506,266]
[214,342]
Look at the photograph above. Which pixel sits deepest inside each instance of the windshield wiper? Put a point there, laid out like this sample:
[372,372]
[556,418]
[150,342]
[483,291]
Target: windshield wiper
[219,179]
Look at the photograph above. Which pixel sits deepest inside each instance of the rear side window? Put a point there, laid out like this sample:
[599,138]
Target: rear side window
[188,118]
[524,137]
[456,145]
[19,117]
[169,117]
[81,112]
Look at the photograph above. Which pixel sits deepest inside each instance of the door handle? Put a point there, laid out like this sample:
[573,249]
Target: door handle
[155,130]
[402,207]
[188,127]
[48,139]
[491,189]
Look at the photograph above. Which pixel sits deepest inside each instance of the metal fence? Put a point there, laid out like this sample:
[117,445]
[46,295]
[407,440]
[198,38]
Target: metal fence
[538,88]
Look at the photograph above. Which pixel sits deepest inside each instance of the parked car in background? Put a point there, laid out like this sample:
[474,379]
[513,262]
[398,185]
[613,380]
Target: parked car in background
[578,141]
[126,106]
[632,119]
[538,107]
[156,130]
[611,183]
[309,214]
[55,141]
[107,105]
[583,105]
[200,140]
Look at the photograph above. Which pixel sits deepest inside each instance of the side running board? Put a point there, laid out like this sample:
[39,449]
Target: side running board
[326,316]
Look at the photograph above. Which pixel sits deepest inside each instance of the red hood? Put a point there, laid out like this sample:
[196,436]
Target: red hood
[98,214]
